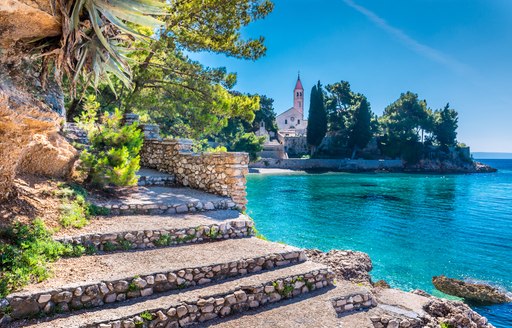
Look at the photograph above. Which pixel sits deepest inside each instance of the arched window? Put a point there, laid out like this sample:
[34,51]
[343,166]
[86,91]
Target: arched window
[285,121]
[297,94]
[298,122]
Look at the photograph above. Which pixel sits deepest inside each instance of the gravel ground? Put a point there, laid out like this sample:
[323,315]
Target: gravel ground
[84,270]
[132,307]
[116,224]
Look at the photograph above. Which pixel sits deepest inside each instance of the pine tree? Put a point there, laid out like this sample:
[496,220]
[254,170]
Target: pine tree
[360,132]
[317,119]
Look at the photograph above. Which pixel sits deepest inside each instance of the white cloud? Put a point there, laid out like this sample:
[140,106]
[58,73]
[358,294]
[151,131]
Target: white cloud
[422,49]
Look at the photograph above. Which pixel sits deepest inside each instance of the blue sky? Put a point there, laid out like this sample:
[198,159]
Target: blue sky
[457,51]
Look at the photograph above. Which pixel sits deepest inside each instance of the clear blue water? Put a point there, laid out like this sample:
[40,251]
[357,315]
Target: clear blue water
[414,226]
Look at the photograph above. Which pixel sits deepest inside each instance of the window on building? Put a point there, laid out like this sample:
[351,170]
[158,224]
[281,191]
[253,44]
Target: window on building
[285,121]
[298,121]
[300,104]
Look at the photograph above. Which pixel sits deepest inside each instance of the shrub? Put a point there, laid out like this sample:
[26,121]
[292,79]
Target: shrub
[25,252]
[113,156]
[75,210]
[250,143]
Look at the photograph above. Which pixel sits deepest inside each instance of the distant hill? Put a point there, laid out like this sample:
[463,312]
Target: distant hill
[488,155]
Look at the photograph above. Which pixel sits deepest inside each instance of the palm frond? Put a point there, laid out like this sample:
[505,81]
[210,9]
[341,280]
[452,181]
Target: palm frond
[97,35]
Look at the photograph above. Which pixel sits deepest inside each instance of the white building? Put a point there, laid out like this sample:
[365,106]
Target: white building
[292,122]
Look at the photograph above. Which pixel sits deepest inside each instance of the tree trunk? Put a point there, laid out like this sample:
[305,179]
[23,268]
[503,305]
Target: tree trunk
[354,151]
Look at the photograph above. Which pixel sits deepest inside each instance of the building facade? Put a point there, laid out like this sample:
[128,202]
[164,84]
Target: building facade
[292,122]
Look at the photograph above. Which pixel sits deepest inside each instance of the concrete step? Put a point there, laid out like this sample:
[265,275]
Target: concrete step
[93,281]
[150,177]
[316,309]
[161,200]
[148,231]
[180,309]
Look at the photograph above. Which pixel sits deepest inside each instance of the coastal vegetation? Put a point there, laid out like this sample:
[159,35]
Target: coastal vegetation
[317,117]
[104,59]
[408,128]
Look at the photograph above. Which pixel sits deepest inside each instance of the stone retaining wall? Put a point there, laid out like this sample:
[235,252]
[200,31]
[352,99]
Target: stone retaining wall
[156,209]
[219,173]
[328,164]
[352,302]
[161,238]
[242,299]
[395,322]
[164,181]
[87,296]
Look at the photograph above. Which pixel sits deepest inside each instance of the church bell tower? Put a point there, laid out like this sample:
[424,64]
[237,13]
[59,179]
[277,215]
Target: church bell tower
[298,97]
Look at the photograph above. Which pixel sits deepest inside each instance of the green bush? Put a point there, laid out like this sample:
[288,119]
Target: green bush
[250,143]
[25,251]
[75,210]
[113,156]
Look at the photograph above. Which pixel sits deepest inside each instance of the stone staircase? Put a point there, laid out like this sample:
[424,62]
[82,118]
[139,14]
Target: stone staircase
[198,264]
[152,267]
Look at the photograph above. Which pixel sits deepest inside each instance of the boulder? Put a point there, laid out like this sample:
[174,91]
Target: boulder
[477,292]
[27,19]
[49,155]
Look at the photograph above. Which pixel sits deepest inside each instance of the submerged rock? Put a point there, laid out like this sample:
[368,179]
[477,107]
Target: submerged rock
[347,265]
[471,291]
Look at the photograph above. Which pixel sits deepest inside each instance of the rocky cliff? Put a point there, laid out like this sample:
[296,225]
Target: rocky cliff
[27,108]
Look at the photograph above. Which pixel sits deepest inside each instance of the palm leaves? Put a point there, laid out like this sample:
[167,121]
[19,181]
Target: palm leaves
[97,35]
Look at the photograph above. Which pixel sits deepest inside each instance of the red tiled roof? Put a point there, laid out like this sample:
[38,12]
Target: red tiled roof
[299,84]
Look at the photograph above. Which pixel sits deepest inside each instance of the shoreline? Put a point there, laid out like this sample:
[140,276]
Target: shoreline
[318,166]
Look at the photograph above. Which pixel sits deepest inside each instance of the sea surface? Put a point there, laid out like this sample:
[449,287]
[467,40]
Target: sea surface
[413,226]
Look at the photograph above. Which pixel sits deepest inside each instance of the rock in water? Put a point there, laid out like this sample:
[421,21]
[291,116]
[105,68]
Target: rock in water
[482,293]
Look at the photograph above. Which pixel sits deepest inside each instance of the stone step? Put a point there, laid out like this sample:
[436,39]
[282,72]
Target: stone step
[162,200]
[150,177]
[148,231]
[309,310]
[180,309]
[93,281]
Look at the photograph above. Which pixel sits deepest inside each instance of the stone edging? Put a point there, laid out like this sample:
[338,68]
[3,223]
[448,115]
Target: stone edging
[353,302]
[164,181]
[240,300]
[95,295]
[395,322]
[155,209]
[161,237]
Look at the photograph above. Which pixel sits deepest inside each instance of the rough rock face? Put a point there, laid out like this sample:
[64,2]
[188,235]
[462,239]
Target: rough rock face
[27,19]
[453,314]
[347,265]
[472,292]
[26,109]
[49,155]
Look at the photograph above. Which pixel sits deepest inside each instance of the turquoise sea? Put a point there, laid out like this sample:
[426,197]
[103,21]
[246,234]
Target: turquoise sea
[414,226]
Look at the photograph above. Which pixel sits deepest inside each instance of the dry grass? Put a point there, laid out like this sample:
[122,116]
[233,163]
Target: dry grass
[34,198]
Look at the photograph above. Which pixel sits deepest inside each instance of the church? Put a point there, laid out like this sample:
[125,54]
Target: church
[291,122]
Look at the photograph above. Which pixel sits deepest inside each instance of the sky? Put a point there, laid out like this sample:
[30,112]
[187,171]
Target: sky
[456,51]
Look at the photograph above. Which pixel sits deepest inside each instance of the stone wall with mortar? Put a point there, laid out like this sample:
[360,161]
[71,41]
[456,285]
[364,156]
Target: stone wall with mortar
[328,164]
[219,173]
[59,300]
[353,302]
[219,306]
[138,239]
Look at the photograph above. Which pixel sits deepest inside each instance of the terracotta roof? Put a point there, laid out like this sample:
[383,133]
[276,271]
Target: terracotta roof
[299,84]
